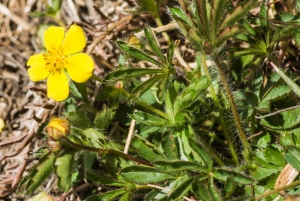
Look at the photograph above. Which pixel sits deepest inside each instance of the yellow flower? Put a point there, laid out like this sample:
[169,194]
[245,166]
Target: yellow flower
[58,128]
[63,56]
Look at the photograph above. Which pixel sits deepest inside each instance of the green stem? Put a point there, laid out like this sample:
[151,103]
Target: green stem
[221,117]
[259,197]
[107,151]
[236,117]
[141,103]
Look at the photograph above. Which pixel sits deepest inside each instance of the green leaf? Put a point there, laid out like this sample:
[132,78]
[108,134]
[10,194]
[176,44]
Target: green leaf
[295,151]
[217,8]
[230,186]
[37,175]
[202,153]
[152,40]
[148,119]
[179,191]
[64,167]
[214,192]
[146,149]
[170,52]
[262,173]
[201,191]
[142,88]
[123,74]
[291,159]
[179,14]
[223,174]
[190,93]
[169,146]
[249,28]
[286,120]
[104,117]
[287,80]
[274,157]
[178,165]
[78,119]
[264,17]
[239,12]
[202,7]
[227,33]
[110,195]
[101,179]
[143,174]
[137,53]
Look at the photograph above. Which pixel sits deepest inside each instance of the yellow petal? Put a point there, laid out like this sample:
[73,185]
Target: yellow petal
[2,124]
[75,40]
[80,67]
[38,70]
[58,86]
[53,37]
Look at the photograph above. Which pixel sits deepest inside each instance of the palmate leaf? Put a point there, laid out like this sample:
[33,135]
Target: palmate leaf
[137,53]
[37,174]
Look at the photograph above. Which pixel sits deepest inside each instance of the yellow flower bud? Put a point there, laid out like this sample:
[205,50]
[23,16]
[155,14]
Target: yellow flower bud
[41,196]
[53,145]
[58,128]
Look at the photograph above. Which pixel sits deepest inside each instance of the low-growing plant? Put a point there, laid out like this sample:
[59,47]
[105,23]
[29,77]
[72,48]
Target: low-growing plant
[224,130]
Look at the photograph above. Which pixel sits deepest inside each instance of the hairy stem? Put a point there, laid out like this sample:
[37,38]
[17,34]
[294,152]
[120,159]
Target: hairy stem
[107,151]
[221,117]
[236,117]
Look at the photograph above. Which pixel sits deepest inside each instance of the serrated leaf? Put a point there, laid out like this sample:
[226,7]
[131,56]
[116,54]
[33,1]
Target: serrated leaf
[137,53]
[146,149]
[179,191]
[223,174]
[284,121]
[152,40]
[64,167]
[143,174]
[148,119]
[38,174]
[110,195]
[202,153]
[239,12]
[123,74]
[143,87]
[274,157]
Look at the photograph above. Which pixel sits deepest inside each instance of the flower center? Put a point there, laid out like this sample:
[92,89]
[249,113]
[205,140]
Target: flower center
[55,59]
